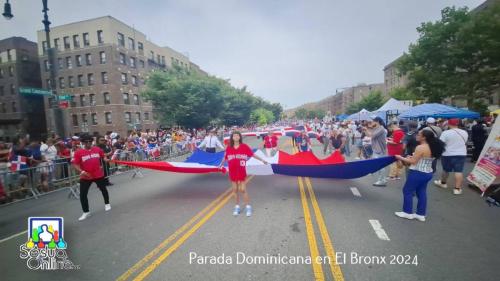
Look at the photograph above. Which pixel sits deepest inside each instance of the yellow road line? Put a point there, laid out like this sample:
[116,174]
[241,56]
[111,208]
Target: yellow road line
[311,237]
[184,237]
[172,237]
[327,242]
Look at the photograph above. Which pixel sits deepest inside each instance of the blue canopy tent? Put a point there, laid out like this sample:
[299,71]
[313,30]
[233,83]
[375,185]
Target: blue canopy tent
[342,117]
[437,110]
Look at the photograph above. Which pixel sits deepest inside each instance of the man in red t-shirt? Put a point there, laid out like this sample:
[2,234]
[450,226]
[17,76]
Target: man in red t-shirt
[270,143]
[395,147]
[87,162]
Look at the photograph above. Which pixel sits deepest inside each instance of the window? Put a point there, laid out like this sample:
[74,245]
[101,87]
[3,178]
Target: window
[94,118]
[136,99]
[152,55]
[61,83]
[134,80]
[128,118]
[88,59]
[124,78]
[107,116]
[84,119]
[158,59]
[76,41]
[132,62]
[46,65]
[44,47]
[2,91]
[72,101]
[138,117]
[141,62]
[86,41]
[74,117]
[46,68]
[125,98]
[90,79]
[9,55]
[104,77]
[11,71]
[121,40]
[14,106]
[146,115]
[131,44]
[100,38]
[78,60]
[140,47]
[49,84]
[102,56]
[66,42]
[4,109]
[107,98]
[80,80]
[56,44]
[60,63]
[92,99]
[12,89]
[71,82]
[163,60]
[69,63]
[82,100]
[122,59]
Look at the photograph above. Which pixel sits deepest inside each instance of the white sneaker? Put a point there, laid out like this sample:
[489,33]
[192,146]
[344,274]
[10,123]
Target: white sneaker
[84,216]
[419,217]
[440,184]
[236,210]
[107,207]
[380,183]
[457,191]
[405,215]
[357,158]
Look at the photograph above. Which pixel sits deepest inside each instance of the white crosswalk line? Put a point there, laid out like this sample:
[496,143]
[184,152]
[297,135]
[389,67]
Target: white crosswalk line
[379,230]
[355,191]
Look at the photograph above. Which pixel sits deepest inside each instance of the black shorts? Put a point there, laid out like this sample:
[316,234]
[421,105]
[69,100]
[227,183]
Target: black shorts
[210,149]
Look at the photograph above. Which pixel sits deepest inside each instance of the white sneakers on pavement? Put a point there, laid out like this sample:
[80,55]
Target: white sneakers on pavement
[438,183]
[457,191]
[107,207]
[84,216]
[405,215]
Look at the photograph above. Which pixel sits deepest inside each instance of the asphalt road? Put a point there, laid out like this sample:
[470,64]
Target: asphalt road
[171,226]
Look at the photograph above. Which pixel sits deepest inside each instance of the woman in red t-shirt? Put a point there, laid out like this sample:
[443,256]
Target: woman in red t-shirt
[395,147]
[270,143]
[236,155]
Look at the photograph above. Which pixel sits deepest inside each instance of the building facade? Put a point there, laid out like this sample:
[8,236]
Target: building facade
[20,114]
[102,64]
[392,78]
[354,95]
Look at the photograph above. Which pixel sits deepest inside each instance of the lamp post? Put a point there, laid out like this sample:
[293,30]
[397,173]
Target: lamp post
[57,114]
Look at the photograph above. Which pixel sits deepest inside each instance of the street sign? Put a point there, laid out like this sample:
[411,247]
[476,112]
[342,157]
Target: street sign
[63,104]
[34,91]
[64,98]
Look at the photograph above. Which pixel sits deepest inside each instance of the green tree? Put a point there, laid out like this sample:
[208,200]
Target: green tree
[402,94]
[372,101]
[456,56]
[261,116]
[301,113]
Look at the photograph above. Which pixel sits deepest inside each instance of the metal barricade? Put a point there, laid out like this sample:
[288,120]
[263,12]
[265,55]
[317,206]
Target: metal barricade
[59,174]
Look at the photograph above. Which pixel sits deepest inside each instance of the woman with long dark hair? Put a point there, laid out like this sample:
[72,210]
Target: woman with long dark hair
[236,155]
[420,173]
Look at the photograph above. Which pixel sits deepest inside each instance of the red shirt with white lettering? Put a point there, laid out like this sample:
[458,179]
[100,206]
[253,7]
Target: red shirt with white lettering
[236,161]
[90,162]
[270,141]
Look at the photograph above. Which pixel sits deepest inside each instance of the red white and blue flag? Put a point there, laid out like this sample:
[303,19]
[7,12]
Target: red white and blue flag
[18,163]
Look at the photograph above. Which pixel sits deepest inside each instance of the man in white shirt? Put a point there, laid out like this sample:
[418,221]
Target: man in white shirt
[211,142]
[453,157]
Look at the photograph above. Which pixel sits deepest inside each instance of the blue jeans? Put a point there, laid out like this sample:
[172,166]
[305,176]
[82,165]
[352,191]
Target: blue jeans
[416,183]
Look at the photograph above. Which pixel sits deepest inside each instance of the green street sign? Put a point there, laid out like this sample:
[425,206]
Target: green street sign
[64,97]
[34,91]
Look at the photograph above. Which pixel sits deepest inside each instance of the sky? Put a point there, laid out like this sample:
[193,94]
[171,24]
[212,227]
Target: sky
[287,51]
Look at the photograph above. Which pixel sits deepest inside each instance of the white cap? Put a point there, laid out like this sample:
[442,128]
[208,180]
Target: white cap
[431,120]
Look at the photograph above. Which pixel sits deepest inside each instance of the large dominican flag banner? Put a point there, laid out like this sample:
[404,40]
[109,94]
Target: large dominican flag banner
[302,164]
